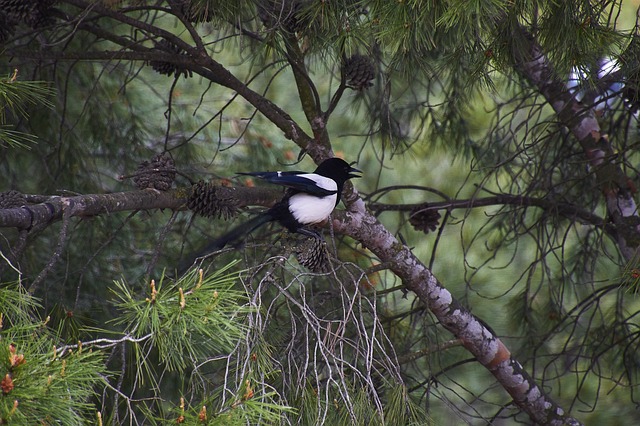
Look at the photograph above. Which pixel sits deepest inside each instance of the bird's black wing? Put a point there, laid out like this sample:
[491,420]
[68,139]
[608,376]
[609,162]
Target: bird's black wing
[295,180]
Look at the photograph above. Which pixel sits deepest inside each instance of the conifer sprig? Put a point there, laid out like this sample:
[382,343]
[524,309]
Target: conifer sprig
[38,384]
[190,319]
[16,97]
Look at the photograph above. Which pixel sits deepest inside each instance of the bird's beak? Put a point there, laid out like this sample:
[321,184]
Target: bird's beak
[354,170]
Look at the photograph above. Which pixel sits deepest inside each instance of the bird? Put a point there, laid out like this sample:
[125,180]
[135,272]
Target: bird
[310,199]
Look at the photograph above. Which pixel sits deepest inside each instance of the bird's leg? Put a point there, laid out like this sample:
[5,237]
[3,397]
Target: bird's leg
[310,233]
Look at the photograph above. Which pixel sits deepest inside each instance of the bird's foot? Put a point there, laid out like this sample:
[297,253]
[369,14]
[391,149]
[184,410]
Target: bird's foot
[310,233]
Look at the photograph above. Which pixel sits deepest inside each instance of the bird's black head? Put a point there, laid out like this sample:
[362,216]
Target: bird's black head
[337,169]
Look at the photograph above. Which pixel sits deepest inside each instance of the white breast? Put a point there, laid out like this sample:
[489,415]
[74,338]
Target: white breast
[308,209]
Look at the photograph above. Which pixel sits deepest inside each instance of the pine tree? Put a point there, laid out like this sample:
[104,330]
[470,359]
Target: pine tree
[511,125]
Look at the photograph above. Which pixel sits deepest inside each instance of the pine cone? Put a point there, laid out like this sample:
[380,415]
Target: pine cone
[207,201]
[35,13]
[19,9]
[359,72]
[167,68]
[424,220]
[195,13]
[12,199]
[284,14]
[159,173]
[312,254]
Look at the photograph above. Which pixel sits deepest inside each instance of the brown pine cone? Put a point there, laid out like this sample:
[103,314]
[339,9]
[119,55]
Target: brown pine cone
[12,199]
[168,68]
[207,201]
[424,220]
[359,72]
[312,254]
[159,173]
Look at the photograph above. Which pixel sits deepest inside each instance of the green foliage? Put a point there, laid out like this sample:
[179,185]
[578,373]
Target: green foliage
[17,305]
[15,139]
[186,320]
[17,97]
[186,323]
[246,407]
[399,409]
[41,381]
[403,409]
[198,325]
[577,32]
[448,109]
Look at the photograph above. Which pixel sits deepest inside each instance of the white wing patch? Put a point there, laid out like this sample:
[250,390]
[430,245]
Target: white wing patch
[321,181]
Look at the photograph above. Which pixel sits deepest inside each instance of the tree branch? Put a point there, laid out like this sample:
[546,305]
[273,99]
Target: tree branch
[306,89]
[570,211]
[45,213]
[197,60]
[487,348]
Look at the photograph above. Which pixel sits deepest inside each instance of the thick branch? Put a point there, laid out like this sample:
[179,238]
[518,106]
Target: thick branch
[50,211]
[474,335]
[306,89]
[197,60]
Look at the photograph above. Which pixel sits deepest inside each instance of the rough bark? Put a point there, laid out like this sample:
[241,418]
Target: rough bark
[85,206]
[474,335]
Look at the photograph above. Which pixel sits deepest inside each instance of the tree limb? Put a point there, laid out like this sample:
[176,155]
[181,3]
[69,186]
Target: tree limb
[488,349]
[567,210]
[29,216]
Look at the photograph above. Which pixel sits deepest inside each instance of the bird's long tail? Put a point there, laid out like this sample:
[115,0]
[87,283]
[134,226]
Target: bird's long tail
[236,234]
[239,232]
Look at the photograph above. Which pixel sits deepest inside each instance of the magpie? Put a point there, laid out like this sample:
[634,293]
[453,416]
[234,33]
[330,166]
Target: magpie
[309,200]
